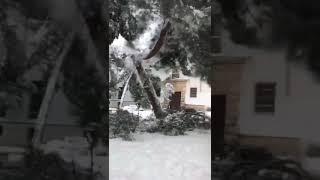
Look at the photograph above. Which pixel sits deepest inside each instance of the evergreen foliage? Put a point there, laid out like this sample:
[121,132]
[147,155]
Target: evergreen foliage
[173,124]
[122,124]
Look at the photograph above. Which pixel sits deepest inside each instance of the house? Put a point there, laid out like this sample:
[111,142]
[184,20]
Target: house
[190,92]
[261,98]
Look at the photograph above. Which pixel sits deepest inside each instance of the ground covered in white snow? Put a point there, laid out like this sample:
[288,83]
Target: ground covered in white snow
[159,157]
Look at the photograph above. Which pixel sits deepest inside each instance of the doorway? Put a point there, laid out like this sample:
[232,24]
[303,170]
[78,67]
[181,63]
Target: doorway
[175,101]
[219,118]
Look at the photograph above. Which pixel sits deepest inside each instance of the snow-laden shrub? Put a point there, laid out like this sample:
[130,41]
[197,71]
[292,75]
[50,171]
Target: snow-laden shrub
[148,125]
[194,119]
[122,124]
[173,124]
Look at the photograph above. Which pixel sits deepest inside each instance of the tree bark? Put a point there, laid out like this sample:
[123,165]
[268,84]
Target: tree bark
[145,82]
[50,89]
[144,78]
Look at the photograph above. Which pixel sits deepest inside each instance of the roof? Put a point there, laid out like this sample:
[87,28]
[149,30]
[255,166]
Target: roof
[179,79]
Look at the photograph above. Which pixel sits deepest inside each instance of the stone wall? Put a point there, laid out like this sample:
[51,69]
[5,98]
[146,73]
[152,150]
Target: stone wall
[196,107]
[180,86]
[226,81]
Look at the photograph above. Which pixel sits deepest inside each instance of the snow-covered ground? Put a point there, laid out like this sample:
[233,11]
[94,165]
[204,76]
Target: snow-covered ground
[143,113]
[147,113]
[76,149]
[159,157]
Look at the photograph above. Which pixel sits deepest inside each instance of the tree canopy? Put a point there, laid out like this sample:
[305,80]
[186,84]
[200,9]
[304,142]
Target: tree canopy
[187,44]
[292,24]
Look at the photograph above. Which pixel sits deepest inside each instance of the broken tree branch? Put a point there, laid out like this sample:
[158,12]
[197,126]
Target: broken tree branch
[160,41]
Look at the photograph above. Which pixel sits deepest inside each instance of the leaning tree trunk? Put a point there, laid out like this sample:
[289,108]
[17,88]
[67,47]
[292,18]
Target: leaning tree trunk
[144,78]
[50,89]
[147,85]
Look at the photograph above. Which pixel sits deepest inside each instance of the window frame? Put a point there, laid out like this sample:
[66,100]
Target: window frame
[175,74]
[265,97]
[196,92]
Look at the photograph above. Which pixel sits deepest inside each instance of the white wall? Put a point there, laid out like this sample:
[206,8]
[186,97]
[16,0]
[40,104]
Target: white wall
[203,88]
[203,92]
[296,114]
[265,67]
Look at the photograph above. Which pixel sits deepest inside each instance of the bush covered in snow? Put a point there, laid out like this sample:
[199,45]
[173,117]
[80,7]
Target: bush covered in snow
[194,119]
[122,124]
[148,125]
[173,124]
[178,122]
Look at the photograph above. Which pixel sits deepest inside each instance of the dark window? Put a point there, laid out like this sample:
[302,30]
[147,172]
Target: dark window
[175,74]
[265,97]
[193,92]
[1,130]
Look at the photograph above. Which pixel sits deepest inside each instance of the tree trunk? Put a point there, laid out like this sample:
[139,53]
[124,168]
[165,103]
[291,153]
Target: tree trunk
[144,78]
[145,82]
[50,89]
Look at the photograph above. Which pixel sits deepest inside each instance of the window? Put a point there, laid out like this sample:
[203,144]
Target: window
[175,74]
[265,97]
[193,92]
